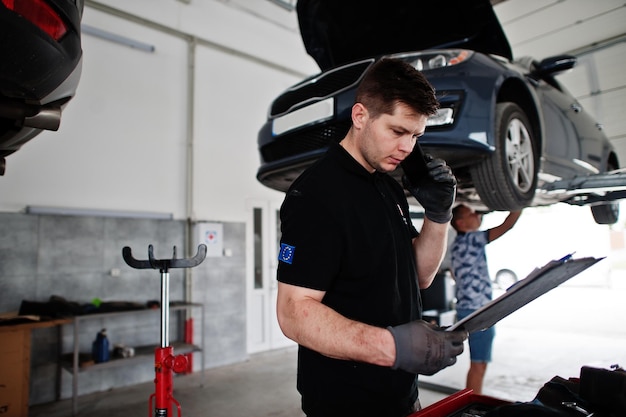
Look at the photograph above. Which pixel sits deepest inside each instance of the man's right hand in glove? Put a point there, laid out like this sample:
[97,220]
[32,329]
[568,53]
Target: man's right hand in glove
[423,348]
[435,191]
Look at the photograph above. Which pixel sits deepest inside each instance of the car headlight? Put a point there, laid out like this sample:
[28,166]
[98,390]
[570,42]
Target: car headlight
[450,101]
[444,116]
[437,58]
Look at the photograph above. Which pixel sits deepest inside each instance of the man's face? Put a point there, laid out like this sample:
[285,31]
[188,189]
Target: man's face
[386,140]
[467,219]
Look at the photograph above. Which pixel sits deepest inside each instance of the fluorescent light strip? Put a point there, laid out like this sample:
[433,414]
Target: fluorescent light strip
[109,36]
[67,211]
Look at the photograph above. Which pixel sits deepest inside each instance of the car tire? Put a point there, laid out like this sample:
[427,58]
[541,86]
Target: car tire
[505,278]
[507,179]
[606,213]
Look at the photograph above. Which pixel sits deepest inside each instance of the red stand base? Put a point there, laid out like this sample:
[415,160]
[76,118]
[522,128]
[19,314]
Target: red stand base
[164,364]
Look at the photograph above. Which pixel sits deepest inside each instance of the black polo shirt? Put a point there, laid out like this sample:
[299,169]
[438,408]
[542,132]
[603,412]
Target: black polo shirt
[348,232]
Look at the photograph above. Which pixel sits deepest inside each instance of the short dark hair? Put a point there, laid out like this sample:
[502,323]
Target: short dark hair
[390,81]
[456,212]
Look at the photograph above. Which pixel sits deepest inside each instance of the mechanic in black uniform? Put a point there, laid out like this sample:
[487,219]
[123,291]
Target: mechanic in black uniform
[351,263]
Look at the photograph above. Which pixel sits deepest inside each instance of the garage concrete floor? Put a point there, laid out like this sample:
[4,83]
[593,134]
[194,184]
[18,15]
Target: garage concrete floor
[263,386]
[572,326]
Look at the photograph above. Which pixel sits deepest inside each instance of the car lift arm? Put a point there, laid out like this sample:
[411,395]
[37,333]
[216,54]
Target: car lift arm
[590,189]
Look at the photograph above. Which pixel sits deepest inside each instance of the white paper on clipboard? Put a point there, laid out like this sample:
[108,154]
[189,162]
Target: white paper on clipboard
[537,283]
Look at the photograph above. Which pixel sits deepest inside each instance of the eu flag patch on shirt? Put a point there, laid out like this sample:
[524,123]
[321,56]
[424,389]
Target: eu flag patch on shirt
[286,253]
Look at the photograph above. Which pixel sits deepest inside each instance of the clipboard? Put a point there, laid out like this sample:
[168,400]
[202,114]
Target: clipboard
[538,282]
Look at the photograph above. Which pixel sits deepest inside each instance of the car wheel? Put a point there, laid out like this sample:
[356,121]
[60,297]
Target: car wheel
[606,213]
[507,179]
[505,278]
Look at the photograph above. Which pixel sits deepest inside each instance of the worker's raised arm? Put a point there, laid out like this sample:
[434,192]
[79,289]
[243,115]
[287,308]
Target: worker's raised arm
[506,225]
[436,192]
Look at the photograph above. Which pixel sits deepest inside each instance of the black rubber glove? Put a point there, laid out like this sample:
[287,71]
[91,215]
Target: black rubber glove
[423,348]
[435,191]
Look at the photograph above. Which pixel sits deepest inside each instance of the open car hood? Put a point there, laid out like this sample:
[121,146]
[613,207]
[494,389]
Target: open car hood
[337,32]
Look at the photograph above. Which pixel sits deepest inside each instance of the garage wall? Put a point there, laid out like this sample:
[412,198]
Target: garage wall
[230,106]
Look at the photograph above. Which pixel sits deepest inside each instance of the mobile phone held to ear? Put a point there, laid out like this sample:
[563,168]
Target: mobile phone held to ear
[414,165]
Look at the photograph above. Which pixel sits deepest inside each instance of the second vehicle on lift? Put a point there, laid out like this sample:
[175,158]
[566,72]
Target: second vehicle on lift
[40,67]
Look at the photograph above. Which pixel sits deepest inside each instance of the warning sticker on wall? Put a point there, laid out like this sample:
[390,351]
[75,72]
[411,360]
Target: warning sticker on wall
[212,235]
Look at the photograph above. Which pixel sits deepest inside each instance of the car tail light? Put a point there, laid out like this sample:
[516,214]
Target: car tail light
[39,13]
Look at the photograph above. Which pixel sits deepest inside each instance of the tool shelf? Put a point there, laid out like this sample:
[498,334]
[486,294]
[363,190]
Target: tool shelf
[77,362]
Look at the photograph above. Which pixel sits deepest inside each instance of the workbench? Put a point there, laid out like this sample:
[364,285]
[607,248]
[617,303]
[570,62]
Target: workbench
[15,342]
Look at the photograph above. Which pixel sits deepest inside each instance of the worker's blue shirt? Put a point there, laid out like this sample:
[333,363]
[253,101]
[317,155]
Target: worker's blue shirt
[469,265]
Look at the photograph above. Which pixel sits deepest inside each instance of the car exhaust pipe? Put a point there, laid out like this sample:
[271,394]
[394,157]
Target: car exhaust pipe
[46,118]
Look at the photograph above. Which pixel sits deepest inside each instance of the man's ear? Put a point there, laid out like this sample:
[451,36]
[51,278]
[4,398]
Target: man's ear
[359,115]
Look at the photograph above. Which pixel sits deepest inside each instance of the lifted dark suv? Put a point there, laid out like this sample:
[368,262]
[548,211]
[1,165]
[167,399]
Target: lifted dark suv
[506,127]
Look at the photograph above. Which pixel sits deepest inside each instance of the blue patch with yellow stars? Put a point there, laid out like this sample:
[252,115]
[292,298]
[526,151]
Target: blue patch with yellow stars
[286,253]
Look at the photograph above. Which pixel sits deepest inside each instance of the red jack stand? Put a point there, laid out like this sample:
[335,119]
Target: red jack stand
[165,362]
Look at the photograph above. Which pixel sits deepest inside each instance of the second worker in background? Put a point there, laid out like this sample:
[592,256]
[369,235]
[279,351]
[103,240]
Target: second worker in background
[473,283]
